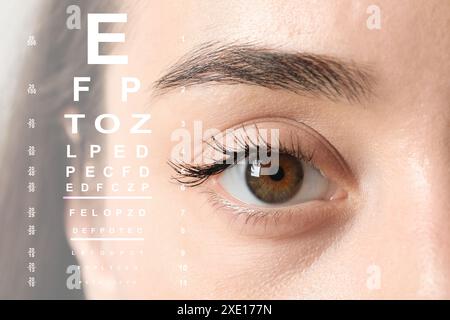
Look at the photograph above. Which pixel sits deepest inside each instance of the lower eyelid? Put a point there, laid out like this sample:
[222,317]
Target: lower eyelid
[276,223]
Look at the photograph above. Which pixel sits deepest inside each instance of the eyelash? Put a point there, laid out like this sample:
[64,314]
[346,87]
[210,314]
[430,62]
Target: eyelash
[192,175]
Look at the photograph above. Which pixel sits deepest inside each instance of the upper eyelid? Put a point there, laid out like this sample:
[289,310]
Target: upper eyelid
[201,171]
[337,168]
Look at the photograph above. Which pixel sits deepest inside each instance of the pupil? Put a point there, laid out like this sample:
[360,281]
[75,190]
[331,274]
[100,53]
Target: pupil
[279,175]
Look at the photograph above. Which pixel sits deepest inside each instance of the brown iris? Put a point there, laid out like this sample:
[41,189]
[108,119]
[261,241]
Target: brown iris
[279,187]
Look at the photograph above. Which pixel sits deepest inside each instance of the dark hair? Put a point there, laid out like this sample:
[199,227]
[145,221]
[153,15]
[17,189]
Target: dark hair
[60,55]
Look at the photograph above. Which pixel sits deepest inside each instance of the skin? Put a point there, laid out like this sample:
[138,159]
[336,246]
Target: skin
[394,218]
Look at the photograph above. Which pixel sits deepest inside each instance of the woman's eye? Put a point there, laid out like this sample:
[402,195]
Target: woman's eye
[295,181]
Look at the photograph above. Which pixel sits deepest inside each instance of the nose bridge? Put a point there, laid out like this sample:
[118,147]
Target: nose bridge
[429,160]
[430,223]
[422,206]
[436,202]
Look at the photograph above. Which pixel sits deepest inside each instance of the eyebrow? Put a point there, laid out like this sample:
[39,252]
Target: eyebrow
[302,73]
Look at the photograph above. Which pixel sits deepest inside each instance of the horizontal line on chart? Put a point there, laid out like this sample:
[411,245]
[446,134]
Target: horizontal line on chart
[107,197]
[107,239]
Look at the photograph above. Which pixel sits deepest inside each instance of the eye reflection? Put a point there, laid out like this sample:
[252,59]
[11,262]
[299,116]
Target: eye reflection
[280,186]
